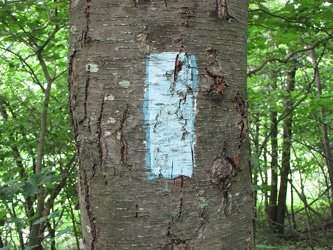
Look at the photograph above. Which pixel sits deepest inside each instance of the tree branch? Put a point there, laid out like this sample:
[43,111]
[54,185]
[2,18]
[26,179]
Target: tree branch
[289,57]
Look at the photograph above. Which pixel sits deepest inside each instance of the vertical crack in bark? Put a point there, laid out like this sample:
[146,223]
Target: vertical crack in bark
[176,243]
[72,86]
[192,154]
[86,38]
[203,220]
[178,239]
[101,141]
[93,227]
[136,210]
[86,92]
[242,125]
[168,235]
[124,147]
[178,67]
[181,200]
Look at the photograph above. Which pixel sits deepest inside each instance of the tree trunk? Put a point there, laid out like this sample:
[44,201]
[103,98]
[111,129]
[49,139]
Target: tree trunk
[285,162]
[325,141]
[274,159]
[158,106]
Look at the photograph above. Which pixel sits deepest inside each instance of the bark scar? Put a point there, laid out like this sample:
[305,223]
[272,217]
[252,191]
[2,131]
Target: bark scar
[211,55]
[178,66]
[218,84]
[222,10]
[222,171]
[242,125]
[186,14]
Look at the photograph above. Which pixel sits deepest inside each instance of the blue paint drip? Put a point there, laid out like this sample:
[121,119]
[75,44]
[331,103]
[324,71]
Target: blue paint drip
[169,113]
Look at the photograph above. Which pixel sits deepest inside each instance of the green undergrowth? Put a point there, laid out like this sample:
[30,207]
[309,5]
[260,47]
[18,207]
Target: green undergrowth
[312,231]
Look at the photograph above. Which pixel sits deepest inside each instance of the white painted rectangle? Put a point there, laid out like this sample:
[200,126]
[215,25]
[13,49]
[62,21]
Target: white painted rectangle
[169,110]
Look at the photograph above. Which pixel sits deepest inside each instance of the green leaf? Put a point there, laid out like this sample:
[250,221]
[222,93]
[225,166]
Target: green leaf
[289,7]
[63,232]
[54,214]
[31,247]
[261,187]
[7,247]
[40,220]
[10,189]
[49,180]
[256,187]
[3,213]
[255,161]
[19,222]
[30,188]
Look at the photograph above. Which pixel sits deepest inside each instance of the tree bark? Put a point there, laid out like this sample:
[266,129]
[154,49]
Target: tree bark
[124,204]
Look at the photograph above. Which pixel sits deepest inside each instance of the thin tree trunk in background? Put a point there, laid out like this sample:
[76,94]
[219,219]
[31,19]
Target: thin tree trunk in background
[274,158]
[286,151]
[306,205]
[120,53]
[326,142]
[293,224]
[36,233]
[255,169]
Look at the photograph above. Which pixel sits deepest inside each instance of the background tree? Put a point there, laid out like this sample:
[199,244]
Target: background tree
[293,30]
[123,204]
[36,154]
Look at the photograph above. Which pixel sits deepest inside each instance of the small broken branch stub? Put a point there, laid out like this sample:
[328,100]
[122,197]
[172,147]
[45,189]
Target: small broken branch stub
[222,10]
[222,171]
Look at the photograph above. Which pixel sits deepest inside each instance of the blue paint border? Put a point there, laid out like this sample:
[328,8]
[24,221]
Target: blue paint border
[146,123]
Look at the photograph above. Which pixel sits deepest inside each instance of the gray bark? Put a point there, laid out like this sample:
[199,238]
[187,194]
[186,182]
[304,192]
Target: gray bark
[121,208]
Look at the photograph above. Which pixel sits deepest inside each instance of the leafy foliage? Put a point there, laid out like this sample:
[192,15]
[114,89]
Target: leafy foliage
[284,36]
[33,98]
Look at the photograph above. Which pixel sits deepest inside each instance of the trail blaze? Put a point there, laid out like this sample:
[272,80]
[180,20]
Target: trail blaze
[169,111]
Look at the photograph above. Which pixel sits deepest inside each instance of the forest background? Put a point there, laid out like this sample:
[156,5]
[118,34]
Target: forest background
[290,90]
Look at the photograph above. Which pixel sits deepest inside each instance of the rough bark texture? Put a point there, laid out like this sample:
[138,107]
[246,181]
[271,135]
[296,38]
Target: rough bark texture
[121,208]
